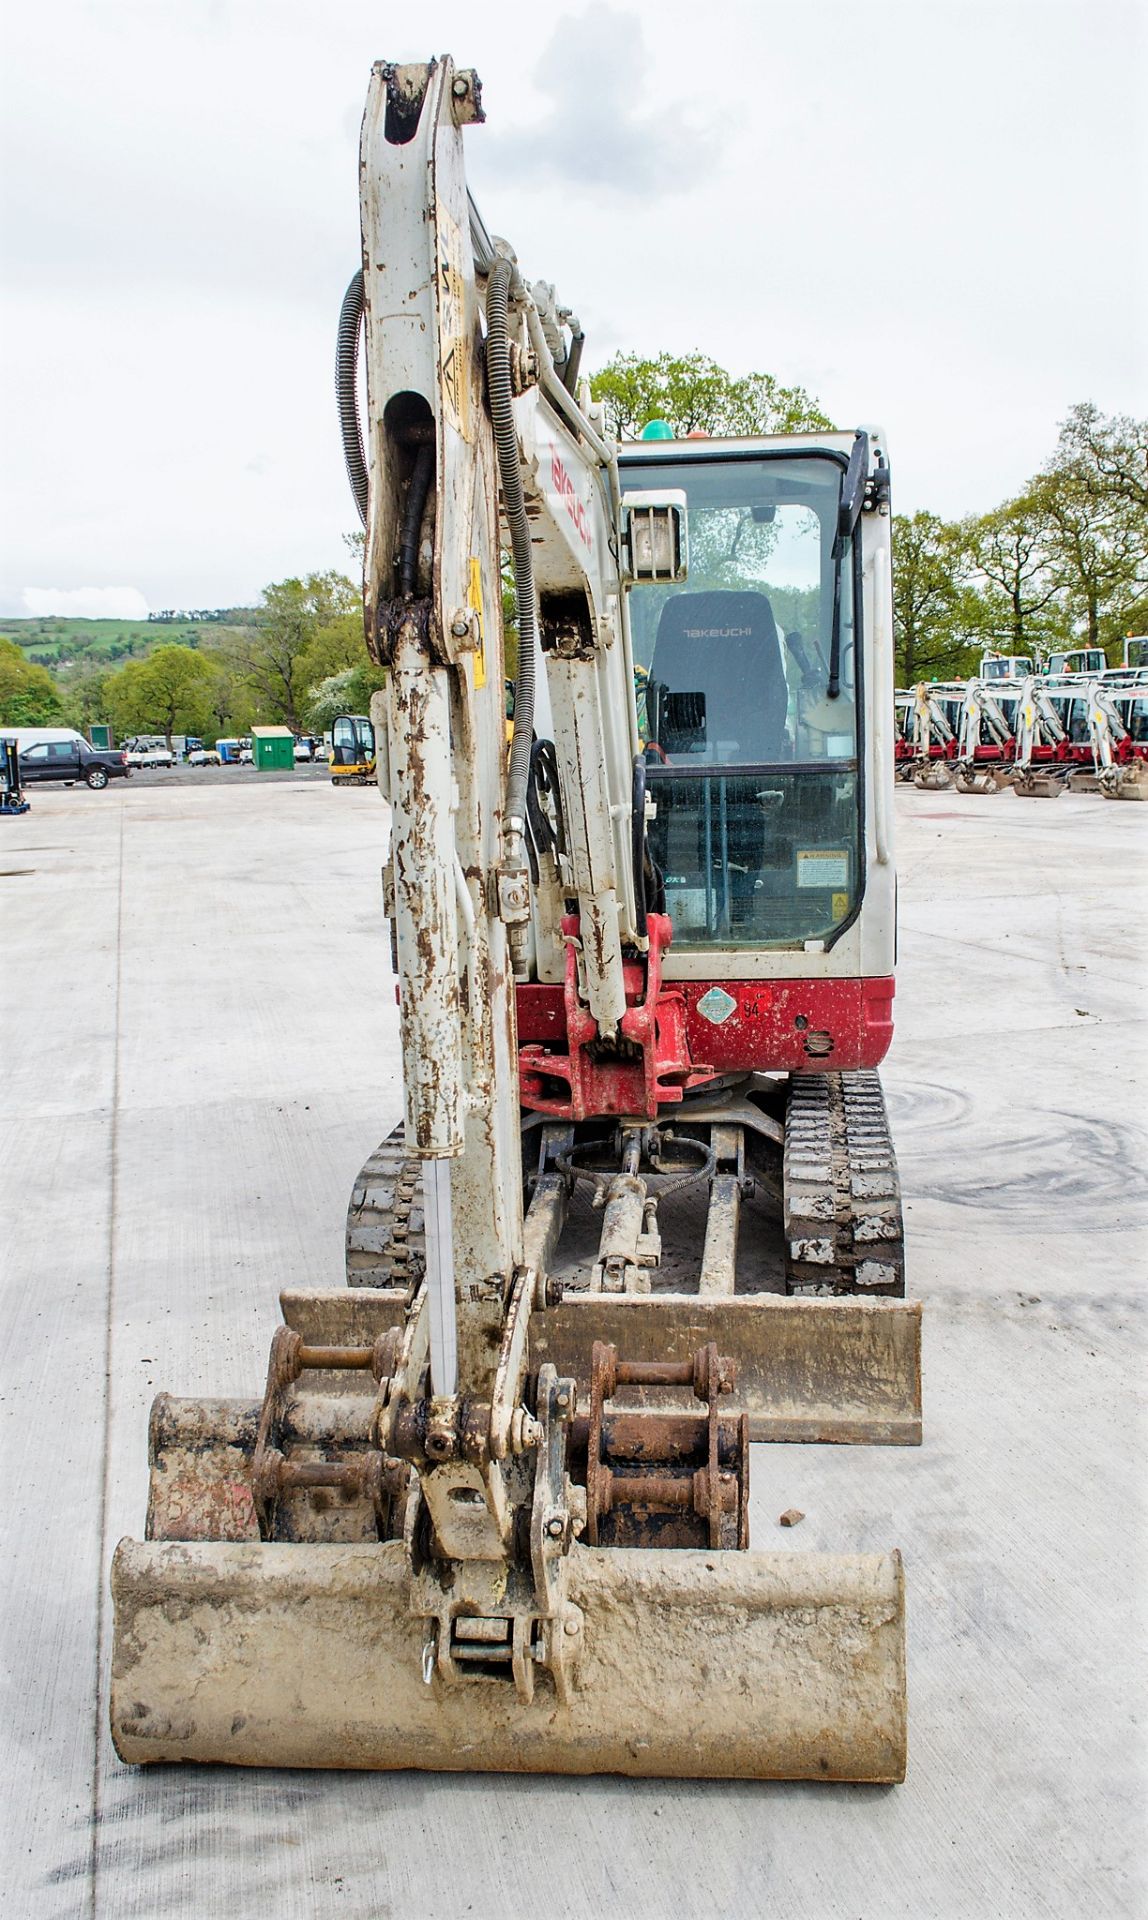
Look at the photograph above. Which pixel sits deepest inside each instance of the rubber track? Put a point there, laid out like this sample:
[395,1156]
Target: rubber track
[385,1241]
[843,1225]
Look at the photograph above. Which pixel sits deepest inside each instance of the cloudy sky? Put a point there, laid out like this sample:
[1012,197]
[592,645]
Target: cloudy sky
[931,213]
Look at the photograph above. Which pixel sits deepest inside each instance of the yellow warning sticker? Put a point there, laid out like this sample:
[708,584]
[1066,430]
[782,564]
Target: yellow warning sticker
[474,601]
[454,370]
[840,905]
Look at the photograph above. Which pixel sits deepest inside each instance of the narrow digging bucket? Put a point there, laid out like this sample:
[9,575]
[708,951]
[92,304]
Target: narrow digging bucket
[770,1666]
[979,780]
[1037,786]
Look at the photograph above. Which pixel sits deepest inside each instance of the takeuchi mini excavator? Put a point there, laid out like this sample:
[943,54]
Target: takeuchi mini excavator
[491,1509]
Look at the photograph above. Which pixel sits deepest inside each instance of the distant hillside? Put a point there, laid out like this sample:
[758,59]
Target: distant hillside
[61,643]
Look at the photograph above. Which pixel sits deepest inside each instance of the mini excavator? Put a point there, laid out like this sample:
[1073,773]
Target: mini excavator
[492,1508]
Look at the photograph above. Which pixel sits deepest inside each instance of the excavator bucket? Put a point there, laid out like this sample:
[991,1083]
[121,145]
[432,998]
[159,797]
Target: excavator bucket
[689,1664]
[1031,784]
[308,1648]
[976,780]
[1127,781]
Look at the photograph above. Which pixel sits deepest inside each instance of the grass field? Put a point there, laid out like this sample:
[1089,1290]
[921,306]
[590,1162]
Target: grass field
[62,642]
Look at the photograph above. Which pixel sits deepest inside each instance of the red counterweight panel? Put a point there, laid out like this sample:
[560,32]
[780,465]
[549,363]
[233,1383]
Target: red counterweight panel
[790,1026]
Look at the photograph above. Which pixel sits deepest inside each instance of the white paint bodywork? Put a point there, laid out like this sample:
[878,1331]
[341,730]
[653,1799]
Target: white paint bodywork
[444,712]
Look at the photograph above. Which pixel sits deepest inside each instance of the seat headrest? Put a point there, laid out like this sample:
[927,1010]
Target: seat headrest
[725,645]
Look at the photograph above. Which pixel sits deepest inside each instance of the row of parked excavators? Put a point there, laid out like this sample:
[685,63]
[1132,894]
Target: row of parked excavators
[1037,727]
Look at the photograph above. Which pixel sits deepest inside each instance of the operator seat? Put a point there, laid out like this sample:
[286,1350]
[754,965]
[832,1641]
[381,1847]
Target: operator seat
[724,644]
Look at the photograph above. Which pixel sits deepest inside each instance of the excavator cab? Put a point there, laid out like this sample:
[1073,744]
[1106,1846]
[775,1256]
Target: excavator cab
[352,751]
[752,765]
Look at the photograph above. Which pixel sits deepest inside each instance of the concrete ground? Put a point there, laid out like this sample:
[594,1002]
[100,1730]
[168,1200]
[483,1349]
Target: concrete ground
[199,1046]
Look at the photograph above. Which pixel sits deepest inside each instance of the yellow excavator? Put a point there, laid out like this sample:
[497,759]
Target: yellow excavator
[352,762]
[491,1506]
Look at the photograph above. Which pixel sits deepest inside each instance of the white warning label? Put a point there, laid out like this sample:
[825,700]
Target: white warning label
[823,870]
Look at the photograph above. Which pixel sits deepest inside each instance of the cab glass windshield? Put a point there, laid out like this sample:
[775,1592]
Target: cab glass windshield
[751,765]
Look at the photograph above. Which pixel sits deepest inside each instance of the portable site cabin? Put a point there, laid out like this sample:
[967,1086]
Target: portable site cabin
[272,748]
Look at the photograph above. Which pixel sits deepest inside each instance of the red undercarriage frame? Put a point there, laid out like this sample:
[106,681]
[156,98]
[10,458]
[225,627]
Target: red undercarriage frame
[789,1026]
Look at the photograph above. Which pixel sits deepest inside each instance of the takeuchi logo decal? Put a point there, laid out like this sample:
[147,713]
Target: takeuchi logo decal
[574,506]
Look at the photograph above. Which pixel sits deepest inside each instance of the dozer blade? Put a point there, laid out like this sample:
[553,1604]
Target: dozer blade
[690,1664]
[844,1371]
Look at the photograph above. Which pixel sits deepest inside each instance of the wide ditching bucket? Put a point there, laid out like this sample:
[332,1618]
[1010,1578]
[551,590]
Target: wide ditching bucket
[274,1615]
[689,1664]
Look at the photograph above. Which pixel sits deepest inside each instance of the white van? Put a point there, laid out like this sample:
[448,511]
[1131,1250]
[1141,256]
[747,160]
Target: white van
[26,737]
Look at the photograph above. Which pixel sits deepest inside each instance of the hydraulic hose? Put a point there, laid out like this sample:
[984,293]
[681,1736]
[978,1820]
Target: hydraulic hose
[346,391]
[420,485]
[514,503]
[638,843]
[573,359]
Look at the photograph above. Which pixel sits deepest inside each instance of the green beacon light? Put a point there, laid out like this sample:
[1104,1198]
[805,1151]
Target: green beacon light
[657,430]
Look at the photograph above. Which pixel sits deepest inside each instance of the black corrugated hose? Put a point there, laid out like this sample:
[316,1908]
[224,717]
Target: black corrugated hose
[346,391]
[510,473]
[420,486]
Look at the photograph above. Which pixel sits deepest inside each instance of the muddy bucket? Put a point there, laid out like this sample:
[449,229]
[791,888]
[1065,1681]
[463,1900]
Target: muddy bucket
[1037,786]
[1126,782]
[691,1664]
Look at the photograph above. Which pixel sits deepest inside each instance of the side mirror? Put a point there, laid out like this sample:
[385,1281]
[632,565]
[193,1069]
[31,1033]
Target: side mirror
[655,545]
[853,488]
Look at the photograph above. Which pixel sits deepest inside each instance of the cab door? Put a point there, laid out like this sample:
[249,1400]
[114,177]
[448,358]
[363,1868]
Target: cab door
[34,764]
[64,760]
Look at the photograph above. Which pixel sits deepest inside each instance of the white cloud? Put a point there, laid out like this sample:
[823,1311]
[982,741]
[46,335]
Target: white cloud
[85,603]
[609,125]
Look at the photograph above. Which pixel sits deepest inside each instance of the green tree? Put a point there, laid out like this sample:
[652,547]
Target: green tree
[270,656]
[694,395]
[334,647]
[1093,494]
[928,632]
[1020,593]
[169,692]
[29,697]
[85,697]
[1098,553]
[231,702]
[1107,455]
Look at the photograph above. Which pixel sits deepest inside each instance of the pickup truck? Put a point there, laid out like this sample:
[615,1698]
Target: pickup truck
[71,760]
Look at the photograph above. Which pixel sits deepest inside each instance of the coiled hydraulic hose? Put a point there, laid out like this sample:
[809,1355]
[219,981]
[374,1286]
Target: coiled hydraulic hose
[346,391]
[510,473]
